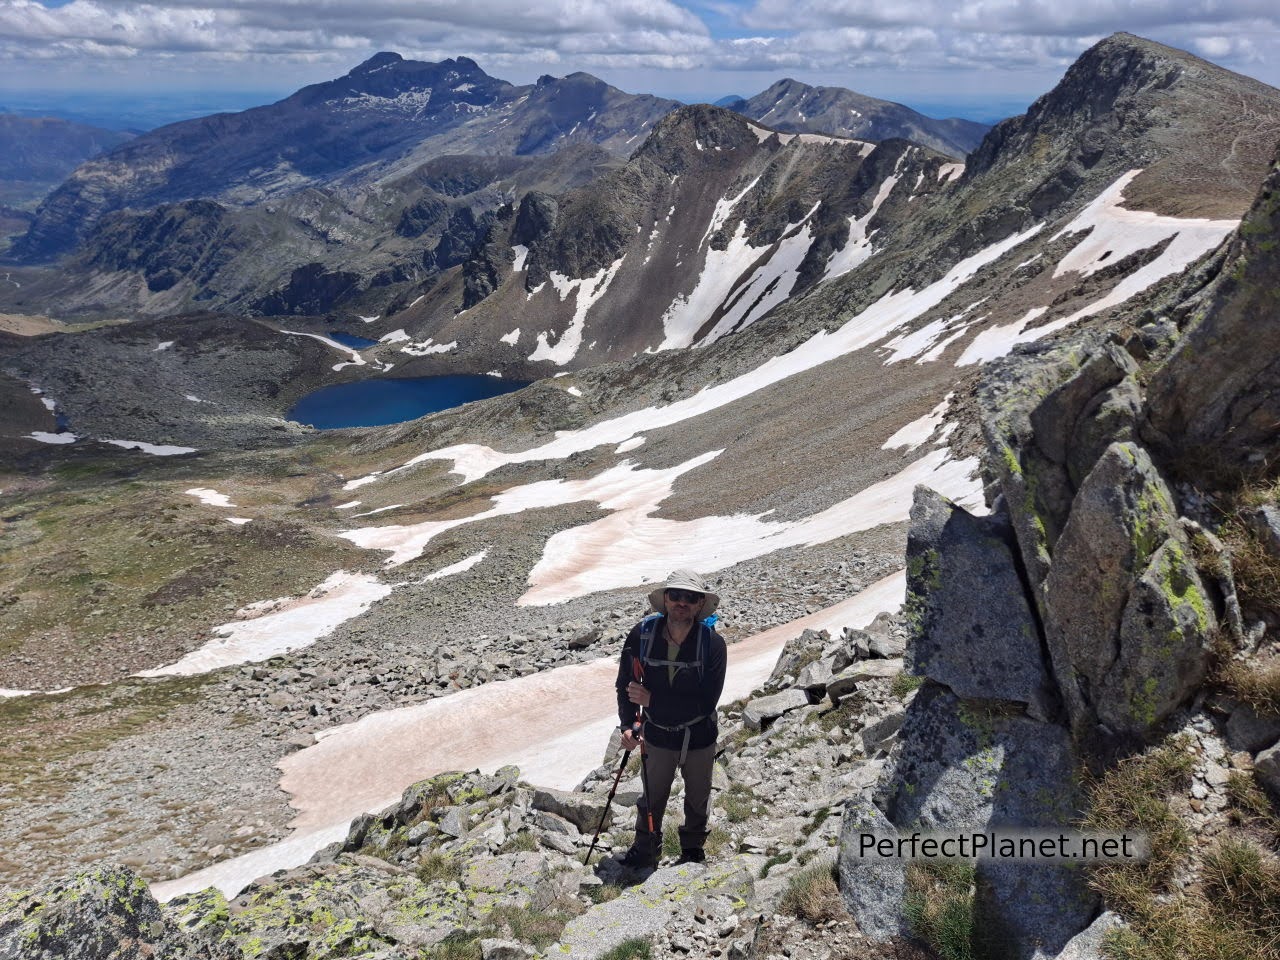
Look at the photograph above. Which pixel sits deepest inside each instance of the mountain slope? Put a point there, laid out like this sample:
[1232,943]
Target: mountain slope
[383,111]
[797,107]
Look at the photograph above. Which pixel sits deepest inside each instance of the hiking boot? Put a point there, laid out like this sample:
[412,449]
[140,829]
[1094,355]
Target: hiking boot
[638,858]
[692,855]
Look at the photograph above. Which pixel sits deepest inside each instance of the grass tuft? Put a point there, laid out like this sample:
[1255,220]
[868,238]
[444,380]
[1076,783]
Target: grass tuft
[813,894]
[939,908]
[438,866]
[636,948]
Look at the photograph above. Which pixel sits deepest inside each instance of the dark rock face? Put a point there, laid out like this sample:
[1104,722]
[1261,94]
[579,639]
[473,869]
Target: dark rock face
[793,106]
[1219,392]
[972,627]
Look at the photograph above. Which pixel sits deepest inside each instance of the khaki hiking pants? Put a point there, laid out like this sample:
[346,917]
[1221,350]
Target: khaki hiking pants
[660,770]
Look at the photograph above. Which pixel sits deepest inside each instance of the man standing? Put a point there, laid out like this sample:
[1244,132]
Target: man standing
[669,681]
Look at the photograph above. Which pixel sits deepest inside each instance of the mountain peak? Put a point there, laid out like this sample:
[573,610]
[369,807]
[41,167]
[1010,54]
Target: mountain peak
[377,62]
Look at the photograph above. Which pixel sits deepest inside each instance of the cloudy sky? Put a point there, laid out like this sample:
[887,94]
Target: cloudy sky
[921,52]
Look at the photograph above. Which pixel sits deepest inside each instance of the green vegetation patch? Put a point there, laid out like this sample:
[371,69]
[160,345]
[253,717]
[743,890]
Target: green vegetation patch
[38,732]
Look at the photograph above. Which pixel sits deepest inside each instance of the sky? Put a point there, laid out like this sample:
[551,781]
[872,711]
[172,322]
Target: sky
[991,53]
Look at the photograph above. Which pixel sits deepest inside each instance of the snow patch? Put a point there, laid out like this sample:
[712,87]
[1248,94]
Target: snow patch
[631,546]
[239,521]
[623,487]
[521,253]
[857,248]
[588,290]
[348,505]
[628,445]
[395,336]
[210,497]
[949,171]
[915,433]
[427,347]
[512,338]
[294,624]
[573,391]
[460,567]
[722,282]
[46,437]
[156,450]
[372,319]
[164,346]
[891,311]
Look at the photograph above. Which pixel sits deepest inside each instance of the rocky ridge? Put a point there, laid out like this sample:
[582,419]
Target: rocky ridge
[800,108]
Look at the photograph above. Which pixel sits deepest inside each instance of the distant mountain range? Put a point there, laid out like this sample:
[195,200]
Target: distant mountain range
[797,107]
[389,115]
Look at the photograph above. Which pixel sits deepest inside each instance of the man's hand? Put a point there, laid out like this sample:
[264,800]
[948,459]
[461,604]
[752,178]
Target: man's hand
[630,739]
[638,694]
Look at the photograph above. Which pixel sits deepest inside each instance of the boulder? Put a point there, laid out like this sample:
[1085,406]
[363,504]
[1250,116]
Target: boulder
[847,680]
[963,766]
[1267,765]
[762,711]
[1249,730]
[798,651]
[584,639]
[103,914]
[1127,619]
[871,886]
[971,627]
[813,679]
[1087,944]
[877,736]
[583,810]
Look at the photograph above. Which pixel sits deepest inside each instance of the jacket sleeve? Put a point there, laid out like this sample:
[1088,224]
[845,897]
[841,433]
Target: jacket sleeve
[627,711]
[713,676]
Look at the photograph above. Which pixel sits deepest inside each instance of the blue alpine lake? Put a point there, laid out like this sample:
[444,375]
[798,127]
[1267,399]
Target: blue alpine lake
[351,340]
[374,403]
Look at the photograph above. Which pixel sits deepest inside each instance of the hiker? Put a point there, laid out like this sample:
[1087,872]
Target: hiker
[669,681]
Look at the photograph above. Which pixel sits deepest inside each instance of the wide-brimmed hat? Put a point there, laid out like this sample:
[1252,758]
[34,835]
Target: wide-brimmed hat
[685,580]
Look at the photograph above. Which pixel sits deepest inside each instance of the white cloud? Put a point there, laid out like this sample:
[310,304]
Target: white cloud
[661,45]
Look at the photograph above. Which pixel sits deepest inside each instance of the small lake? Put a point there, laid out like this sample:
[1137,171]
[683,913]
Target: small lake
[351,340]
[374,403]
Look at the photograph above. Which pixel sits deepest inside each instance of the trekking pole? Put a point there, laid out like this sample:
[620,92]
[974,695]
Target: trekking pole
[637,670]
[604,814]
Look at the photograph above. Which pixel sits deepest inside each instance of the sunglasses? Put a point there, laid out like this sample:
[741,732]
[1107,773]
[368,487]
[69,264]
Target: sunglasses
[684,596]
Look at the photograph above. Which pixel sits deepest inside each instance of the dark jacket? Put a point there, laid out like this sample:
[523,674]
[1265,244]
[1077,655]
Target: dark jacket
[677,701]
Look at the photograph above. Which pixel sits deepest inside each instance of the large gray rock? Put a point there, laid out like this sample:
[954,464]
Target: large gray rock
[1127,620]
[1249,730]
[799,650]
[847,680]
[102,914]
[1264,521]
[1058,418]
[1087,944]
[971,626]
[762,711]
[814,678]
[1267,765]
[872,886]
[963,766]
[1035,486]
[583,810]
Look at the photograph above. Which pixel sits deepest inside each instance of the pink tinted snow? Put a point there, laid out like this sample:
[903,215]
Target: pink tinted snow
[292,624]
